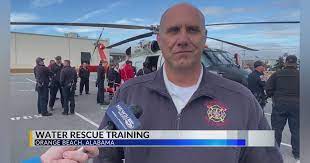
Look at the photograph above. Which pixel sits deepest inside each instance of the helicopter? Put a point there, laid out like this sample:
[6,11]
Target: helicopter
[215,60]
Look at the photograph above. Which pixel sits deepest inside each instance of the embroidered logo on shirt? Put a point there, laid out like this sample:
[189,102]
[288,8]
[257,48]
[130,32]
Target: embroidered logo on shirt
[216,113]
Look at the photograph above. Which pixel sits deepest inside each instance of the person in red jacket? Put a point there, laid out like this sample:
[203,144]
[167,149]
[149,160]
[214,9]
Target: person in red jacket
[127,72]
[51,63]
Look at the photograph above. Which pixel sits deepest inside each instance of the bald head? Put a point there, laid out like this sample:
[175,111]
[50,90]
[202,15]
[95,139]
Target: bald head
[182,7]
[182,37]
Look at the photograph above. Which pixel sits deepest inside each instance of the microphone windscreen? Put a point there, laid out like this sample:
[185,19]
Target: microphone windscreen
[124,117]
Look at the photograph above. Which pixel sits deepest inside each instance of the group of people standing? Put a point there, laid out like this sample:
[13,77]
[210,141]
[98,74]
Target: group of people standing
[61,77]
[116,75]
[57,76]
[283,87]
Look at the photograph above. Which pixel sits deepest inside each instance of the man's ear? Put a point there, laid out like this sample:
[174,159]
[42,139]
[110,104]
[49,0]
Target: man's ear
[158,38]
[206,34]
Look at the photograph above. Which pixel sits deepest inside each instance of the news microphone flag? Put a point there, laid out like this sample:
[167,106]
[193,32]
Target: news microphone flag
[153,138]
[123,117]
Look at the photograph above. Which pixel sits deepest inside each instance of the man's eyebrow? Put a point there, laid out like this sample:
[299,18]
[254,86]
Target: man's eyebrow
[173,27]
[193,26]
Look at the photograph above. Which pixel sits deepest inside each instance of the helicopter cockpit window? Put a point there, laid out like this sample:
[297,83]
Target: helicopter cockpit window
[227,56]
[219,55]
[205,60]
[213,58]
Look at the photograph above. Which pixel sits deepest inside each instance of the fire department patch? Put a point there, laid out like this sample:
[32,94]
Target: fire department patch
[216,113]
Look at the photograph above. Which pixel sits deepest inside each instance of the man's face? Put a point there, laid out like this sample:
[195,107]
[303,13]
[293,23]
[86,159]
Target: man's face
[84,65]
[66,63]
[182,37]
[58,61]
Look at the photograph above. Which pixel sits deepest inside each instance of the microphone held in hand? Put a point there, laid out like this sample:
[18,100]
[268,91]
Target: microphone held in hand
[123,117]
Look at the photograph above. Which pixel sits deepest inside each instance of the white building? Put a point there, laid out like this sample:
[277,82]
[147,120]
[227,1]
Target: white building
[25,48]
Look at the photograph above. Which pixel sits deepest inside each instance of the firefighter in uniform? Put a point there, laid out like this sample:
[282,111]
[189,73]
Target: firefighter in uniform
[68,80]
[283,87]
[256,83]
[42,75]
[84,76]
[100,84]
[55,83]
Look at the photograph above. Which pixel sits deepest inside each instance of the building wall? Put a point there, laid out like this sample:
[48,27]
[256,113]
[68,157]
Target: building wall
[25,48]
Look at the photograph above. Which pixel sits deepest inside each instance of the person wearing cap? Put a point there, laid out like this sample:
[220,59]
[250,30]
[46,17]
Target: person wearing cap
[256,83]
[42,75]
[283,88]
[55,83]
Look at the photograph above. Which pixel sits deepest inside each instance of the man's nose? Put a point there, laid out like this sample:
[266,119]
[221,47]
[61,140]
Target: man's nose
[183,39]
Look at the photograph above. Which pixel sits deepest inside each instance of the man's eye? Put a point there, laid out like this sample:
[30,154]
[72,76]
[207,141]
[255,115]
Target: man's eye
[193,29]
[173,30]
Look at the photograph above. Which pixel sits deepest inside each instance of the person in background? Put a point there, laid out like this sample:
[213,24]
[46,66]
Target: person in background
[144,70]
[154,68]
[42,75]
[127,72]
[68,80]
[100,84]
[51,63]
[247,68]
[114,78]
[84,78]
[256,83]
[117,74]
[283,88]
[55,83]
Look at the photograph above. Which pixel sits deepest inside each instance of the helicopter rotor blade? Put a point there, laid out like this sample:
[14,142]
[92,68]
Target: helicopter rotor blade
[122,26]
[262,22]
[149,34]
[233,44]
[97,41]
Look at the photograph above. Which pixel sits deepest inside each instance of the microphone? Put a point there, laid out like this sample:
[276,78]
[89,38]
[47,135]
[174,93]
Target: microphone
[123,117]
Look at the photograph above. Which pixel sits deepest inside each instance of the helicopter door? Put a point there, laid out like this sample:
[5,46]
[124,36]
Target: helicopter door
[85,57]
[152,62]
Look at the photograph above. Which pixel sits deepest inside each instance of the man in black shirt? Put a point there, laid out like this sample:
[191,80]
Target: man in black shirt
[100,84]
[42,75]
[68,79]
[283,87]
[55,83]
[256,83]
[84,78]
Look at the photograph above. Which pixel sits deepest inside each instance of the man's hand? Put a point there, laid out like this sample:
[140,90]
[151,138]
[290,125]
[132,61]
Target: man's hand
[69,155]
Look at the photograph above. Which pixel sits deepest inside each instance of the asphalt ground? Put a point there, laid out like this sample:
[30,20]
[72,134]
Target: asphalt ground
[24,117]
